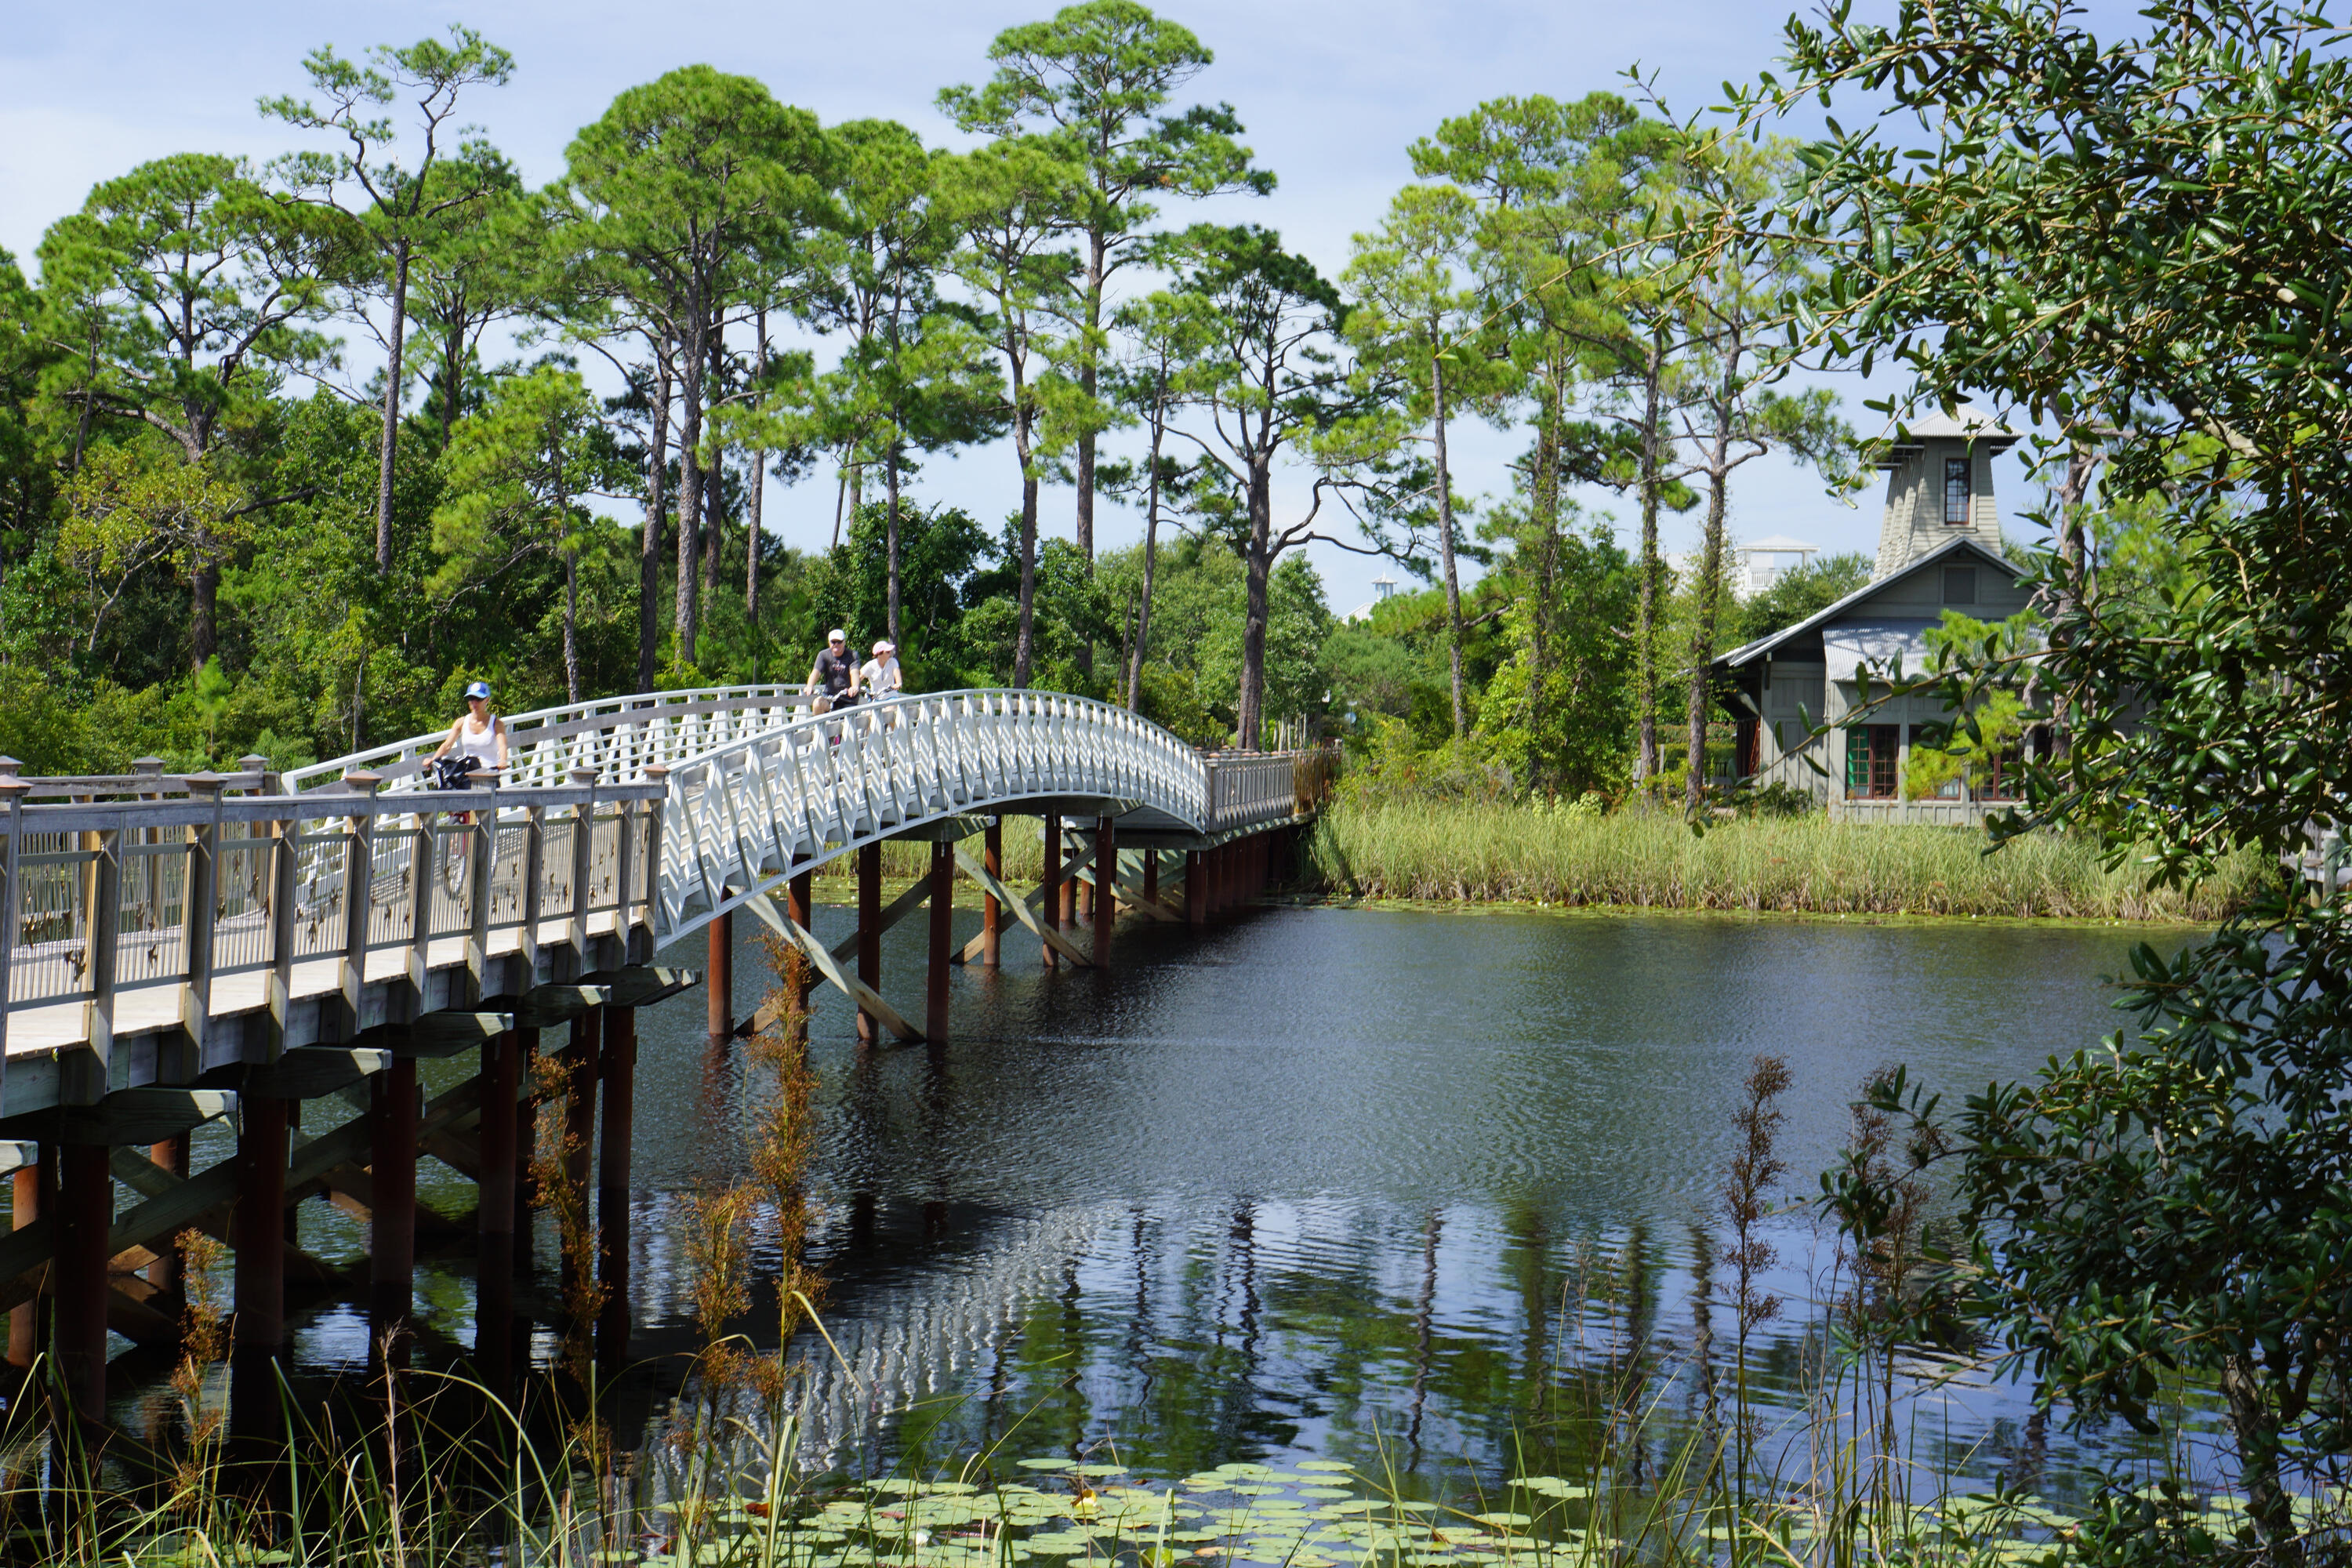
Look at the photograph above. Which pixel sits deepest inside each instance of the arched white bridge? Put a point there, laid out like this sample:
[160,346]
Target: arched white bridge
[173,948]
[621,826]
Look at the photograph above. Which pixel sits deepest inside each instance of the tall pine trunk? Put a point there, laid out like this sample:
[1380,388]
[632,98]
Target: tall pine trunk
[390,438]
[1541,614]
[203,614]
[571,625]
[1089,382]
[1650,480]
[890,478]
[689,482]
[714,504]
[656,508]
[1710,590]
[759,492]
[1150,564]
[453,378]
[1250,727]
[1024,648]
[1445,543]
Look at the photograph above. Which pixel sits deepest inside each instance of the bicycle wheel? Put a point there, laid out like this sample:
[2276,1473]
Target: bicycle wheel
[452,862]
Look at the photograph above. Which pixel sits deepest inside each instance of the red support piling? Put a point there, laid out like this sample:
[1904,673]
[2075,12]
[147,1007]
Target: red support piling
[392,1183]
[1196,897]
[494,1211]
[1152,875]
[870,936]
[719,978]
[525,1126]
[85,1216]
[620,1075]
[171,1155]
[33,1194]
[942,935]
[1105,910]
[991,913]
[257,1229]
[1050,906]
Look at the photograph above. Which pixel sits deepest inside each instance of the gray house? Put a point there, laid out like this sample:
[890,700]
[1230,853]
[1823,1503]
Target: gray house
[1938,548]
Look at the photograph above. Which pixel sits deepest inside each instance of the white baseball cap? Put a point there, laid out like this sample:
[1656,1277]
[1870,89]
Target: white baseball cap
[836,635]
[884,646]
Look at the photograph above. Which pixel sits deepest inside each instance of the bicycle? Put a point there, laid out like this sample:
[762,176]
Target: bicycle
[456,773]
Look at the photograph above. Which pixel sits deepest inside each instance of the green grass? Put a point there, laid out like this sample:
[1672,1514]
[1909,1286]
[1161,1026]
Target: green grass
[1473,853]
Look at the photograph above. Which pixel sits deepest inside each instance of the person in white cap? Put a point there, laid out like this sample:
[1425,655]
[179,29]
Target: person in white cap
[834,677]
[880,676]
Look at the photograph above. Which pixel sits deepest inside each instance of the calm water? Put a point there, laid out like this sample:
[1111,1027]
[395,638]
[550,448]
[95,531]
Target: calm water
[1325,1183]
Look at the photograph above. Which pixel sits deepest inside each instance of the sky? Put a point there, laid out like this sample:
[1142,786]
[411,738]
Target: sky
[1330,94]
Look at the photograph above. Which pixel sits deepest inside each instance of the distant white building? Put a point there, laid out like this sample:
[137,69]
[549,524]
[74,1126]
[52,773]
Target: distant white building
[1760,563]
[1383,586]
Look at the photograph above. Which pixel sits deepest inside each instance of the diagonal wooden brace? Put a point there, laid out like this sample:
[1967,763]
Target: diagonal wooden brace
[1023,909]
[848,984]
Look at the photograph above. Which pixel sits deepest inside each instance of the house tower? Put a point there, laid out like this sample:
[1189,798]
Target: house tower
[1939,486]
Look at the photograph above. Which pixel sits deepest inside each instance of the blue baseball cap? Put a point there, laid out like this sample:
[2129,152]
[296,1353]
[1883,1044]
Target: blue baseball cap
[480,688]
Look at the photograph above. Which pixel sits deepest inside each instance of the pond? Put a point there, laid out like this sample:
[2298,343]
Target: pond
[1397,1189]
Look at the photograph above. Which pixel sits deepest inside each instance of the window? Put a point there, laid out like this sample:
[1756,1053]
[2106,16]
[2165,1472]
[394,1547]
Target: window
[1925,757]
[1869,756]
[1956,491]
[1959,584]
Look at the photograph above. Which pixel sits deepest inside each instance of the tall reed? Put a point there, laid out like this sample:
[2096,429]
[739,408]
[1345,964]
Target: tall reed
[1480,853]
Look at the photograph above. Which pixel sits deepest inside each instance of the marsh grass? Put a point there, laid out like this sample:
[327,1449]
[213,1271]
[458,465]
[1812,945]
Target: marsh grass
[1470,852]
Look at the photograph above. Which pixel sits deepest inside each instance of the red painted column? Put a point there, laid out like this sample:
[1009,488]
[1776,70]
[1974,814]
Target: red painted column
[1050,906]
[718,977]
[620,1075]
[1196,896]
[870,935]
[991,913]
[942,935]
[1105,910]
[257,1225]
[85,1216]
[392,1183]
[33,1194]
[579,1097]
[526,1127]
[172,1155]
[494,1212]
[1152,875]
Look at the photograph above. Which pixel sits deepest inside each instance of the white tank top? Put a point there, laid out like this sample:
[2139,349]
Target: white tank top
[482,745]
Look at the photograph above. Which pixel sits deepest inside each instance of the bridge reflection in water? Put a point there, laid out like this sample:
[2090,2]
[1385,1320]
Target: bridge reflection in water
[178,950]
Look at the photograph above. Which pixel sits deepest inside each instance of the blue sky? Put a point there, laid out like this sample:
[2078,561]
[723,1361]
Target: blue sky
[1331,93]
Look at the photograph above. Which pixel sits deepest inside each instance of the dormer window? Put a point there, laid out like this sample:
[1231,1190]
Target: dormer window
[1956,491]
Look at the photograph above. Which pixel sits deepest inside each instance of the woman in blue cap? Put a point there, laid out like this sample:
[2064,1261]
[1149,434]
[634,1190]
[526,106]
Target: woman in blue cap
[479,736]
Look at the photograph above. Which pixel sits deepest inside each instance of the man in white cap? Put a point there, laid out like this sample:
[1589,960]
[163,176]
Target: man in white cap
[834,678]
[880,678]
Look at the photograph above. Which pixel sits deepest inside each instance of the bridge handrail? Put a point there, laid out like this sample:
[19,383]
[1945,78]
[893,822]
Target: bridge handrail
[669,725]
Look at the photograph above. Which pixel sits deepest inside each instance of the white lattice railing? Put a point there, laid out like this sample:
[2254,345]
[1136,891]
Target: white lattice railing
[725,789]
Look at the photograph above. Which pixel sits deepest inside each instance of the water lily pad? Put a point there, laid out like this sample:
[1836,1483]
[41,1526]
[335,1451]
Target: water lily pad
[1325,1492]
[1242,1470]
[1046,1464]
[1324,1465]
[1502,1520]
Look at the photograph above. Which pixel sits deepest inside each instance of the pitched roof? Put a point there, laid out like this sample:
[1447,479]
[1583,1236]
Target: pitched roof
[1963,423]
[1765,645]
[1777,544]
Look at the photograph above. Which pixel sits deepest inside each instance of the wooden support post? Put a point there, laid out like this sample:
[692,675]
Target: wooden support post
[526,1127]
[33,1194]
[1152,875]
[800,974]
[580,1098]
[1051,912]
[392,1183]
[258,1224]
[942,943]
[991,912]
[1105,883]
[619,1070]
[870,936]
[85,1216]
[1196,895]
[172,1155]
[494,1209]
[719,978]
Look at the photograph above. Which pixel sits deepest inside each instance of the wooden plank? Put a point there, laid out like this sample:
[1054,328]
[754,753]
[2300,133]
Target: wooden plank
[141,1115]
[308,1072]
[640,984]
[1024,910]
[848,984]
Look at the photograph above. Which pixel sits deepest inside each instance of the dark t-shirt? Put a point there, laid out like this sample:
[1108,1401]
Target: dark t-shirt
[834,670]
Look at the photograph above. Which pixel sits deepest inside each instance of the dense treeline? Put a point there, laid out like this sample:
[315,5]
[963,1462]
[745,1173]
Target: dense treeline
[218,541]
